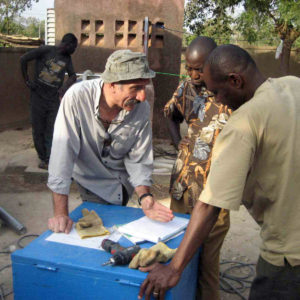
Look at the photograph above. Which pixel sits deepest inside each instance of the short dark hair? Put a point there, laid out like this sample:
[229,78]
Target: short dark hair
[229,58]
[69,38]
[204,42]
[201,46]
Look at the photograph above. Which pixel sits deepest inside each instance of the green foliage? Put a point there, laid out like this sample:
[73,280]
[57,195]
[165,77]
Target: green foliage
[15,28]
[187,38]
[219,29]
[210,18]
[254,27]
[30,27]
[271,18]
[9,9]
[33,27]
[290,12]
[261,20]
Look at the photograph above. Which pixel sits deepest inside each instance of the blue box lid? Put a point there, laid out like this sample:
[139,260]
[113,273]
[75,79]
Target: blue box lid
[57,255]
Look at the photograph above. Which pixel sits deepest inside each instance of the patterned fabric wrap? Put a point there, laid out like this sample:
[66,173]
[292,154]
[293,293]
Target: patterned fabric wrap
[205,118]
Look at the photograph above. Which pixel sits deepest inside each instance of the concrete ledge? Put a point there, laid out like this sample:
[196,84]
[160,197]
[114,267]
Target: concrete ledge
[14,169]
[35,175]
[10,181]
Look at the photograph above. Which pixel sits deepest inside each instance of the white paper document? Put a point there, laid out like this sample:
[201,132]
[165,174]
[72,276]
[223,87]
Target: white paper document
[154,231]
[74,239]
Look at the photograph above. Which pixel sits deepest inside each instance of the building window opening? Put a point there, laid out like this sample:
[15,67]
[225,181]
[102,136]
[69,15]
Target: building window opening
[99,26]
[119,25]
[84,39]
[85,25]
[132,40]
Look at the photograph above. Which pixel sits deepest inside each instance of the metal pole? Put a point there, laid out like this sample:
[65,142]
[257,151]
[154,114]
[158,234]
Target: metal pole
[146,35]
[12,222]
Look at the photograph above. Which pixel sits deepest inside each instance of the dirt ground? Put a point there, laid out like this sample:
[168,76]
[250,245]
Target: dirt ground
[23,194]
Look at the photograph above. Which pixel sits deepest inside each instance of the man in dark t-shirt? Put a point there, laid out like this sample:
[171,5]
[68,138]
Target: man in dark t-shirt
[51,64]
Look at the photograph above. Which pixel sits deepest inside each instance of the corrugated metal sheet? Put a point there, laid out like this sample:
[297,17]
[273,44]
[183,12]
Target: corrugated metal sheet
[50,27]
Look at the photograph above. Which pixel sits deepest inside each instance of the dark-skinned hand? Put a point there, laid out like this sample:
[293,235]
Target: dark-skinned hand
[31,85]
[159,280]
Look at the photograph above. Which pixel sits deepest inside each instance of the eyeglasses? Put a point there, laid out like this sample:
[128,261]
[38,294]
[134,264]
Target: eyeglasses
[106,147]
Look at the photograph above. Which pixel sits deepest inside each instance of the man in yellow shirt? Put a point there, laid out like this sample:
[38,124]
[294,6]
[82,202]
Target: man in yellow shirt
[255,162]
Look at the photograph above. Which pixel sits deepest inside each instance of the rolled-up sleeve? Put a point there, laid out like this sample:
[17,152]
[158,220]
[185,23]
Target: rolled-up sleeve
[232,157]
[65,145]
[139,161]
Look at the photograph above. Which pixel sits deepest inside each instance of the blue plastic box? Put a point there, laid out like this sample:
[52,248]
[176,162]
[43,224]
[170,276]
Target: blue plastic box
[48,270]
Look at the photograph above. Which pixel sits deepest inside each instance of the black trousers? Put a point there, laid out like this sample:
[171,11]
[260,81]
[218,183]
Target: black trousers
[275,283]
[43,113]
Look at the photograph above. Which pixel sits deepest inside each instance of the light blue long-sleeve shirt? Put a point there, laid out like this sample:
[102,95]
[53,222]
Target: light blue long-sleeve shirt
[78,142]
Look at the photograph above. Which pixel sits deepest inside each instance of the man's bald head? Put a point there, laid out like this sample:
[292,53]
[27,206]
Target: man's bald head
[200,48]
[227,59]
[196,54]
[231,74]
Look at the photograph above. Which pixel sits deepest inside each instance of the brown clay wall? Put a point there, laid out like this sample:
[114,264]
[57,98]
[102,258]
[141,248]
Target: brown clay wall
[14,95]
[268,65]
[265,60]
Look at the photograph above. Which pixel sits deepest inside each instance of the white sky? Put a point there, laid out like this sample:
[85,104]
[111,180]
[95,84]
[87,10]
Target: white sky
[39,9]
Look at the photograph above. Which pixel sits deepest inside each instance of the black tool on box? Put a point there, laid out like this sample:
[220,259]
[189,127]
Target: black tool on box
[121,255]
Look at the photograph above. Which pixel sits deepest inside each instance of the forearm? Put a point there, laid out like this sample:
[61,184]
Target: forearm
[70,81]
[142,189]
[60,222]
[24,69]
[60,204]
[202,220]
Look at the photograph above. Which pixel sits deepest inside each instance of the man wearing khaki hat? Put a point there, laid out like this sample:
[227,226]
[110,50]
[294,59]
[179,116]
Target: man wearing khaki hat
[103,140]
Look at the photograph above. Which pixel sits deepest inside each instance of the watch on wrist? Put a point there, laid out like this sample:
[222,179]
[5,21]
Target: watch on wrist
[143,196]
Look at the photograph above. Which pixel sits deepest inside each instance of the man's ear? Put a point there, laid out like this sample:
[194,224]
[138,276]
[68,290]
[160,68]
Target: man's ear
[112,86]
[236,80]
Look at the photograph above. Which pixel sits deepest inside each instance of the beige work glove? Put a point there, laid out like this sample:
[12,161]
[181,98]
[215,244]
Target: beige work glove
[157,253]
[90,225]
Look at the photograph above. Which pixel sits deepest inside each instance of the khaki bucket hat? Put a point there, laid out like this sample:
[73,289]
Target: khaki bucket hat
[126,65]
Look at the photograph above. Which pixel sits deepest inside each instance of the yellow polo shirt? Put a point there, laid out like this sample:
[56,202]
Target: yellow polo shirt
[256,162]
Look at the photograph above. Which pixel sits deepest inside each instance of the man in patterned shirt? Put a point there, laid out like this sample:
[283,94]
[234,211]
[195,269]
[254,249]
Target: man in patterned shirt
[196,105]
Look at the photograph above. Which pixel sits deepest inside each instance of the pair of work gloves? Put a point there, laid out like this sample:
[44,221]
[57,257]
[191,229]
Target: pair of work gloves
[157,253]
[90,225]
